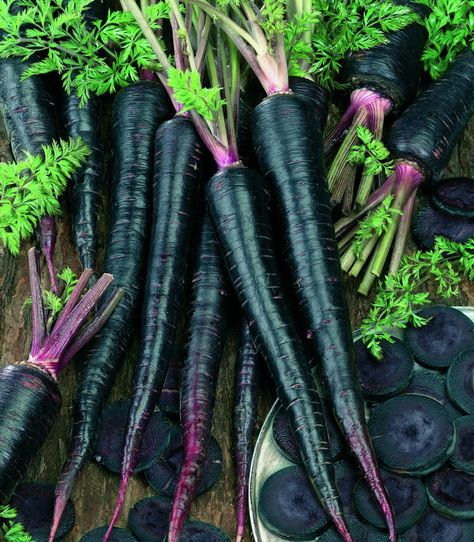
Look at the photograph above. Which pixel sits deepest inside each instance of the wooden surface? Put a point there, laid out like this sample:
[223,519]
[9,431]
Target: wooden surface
[95,492]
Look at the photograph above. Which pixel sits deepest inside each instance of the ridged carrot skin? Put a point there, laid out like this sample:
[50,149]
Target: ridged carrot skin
[30,402]
[289,149]
[429,129]
[138,110]
[245,419]
[392,69]
[239,205]
[317,96]
[86,183]
[208,325]
[176,203]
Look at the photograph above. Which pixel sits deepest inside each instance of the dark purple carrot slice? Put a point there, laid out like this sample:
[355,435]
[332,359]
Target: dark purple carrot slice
[386,377]
[412,434]
[430,222]
[451,492]
[460,382]
[347,476]
[463,455]
[163,474]
[198,531]
[288,506]
[359,531]
[432,384]
[34,503]
[455,196]
[447,334]
[407,495]
[117,535]
[149,518]
[434,527]
[111,435]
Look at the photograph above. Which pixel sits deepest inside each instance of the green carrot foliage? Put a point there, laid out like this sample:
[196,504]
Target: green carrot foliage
[371,153]
[401,295]
[30,189]
[450,26]
[375,223]
[92,57]
[10,530]
[188,91]
[348,27]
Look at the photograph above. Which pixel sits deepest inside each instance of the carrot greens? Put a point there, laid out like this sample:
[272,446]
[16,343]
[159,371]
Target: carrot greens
[401,295]
[92,57]
[11,531]
[30,188]
[450,26]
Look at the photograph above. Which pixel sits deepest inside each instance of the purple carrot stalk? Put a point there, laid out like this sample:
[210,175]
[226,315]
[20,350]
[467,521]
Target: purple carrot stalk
[402,185]
[245,418]
[359,99]
[207,332]
[343,224]
[47,239]
[30,399]
[368,109]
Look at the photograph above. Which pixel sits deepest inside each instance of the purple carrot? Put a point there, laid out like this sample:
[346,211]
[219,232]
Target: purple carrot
[207,331]
[245,419]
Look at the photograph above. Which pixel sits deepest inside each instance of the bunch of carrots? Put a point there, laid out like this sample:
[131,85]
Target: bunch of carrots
[219,173]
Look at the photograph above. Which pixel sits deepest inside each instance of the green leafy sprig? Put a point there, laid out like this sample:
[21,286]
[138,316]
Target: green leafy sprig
[188,91]
[53,303]
[30,189]
[10,530]
[371,153]
[375,223]
[401,295]
[450,26]
[348,27]
[91,56]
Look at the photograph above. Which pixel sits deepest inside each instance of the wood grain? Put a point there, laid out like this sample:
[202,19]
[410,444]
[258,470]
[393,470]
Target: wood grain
[95,492]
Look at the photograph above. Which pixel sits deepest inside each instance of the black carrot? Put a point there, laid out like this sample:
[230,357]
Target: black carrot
[239,210]
[239,206]
[208,325]
[137,112]
[290,153]
[176,191]
[245,419]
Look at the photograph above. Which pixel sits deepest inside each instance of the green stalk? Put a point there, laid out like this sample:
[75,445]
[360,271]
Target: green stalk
[369,278]
[215,82]
[184,32]
[366,251]
[339,164]
[347,238]
[402,235]
[383,249]
[367,180]
[348,259]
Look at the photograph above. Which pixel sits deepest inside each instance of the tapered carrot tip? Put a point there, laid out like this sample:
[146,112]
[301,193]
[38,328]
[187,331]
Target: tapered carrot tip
[59,506]
[118,507]
[340,525]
